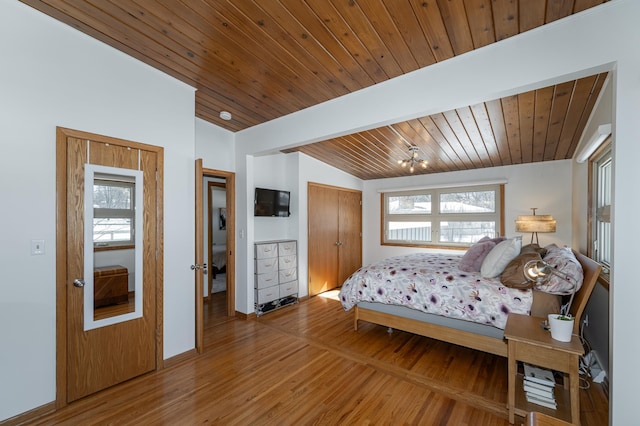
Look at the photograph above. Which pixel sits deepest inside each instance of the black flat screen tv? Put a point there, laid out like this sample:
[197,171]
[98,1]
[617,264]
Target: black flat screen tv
[271,202]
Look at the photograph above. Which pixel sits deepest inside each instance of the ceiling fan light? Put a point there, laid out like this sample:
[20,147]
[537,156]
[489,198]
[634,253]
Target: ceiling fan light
[411,169]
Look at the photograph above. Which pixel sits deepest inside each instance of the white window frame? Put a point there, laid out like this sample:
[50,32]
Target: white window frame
[602,189]
[436,217]
[106,213]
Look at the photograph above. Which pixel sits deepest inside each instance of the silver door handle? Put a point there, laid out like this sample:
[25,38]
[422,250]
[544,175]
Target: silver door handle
[78,282]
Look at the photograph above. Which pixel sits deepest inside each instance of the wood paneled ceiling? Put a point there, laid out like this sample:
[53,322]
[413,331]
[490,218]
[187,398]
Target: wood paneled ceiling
[540,125]
[263,59]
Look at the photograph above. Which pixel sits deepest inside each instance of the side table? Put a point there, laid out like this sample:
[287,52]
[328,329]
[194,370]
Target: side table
[529,342]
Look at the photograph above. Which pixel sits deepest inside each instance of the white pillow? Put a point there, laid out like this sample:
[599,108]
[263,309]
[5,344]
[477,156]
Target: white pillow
[499,257]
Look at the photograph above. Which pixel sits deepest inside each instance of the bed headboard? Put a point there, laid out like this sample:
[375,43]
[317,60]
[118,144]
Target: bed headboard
[591,270]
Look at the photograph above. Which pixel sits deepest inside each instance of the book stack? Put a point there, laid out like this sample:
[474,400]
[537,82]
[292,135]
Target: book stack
[539,384]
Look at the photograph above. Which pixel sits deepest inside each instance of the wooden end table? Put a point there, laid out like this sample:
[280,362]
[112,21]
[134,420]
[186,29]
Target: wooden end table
[529,342]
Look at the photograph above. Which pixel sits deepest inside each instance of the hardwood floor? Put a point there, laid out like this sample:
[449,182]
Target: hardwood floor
[304,364]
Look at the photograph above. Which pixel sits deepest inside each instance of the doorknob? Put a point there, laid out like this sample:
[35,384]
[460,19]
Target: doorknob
[78,282]
[196,267]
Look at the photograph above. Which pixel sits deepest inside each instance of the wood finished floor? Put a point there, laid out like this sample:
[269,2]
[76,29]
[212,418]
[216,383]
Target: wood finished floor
[304,364]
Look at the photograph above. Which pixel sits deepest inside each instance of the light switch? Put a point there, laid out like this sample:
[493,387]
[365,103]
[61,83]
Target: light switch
[37,247]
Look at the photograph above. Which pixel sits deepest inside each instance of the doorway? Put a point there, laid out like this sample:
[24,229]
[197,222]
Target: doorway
[215,242]
[215,247]
[109,210]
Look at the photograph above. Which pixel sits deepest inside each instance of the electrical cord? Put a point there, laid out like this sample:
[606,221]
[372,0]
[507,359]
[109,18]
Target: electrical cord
[584,364]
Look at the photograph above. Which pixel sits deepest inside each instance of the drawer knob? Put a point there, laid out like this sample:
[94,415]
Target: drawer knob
[78,282]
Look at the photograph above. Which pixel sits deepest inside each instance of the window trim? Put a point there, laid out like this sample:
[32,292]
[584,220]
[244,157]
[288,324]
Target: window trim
[603,151]
[106,213]
[435,191]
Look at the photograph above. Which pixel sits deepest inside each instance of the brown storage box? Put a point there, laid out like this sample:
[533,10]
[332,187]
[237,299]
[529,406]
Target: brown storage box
[110,285]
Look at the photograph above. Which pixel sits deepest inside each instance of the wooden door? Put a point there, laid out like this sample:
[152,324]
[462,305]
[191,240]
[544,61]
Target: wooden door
[349,234]
[335,236]
[323,238]
[98,358]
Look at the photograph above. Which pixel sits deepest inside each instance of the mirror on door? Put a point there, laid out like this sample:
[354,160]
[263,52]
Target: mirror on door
[112,245]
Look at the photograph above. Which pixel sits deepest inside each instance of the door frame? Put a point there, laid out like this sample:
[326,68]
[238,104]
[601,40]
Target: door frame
[230,183]
[62,281]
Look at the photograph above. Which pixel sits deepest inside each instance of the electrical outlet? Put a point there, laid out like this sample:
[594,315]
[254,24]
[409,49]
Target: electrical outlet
[585,321]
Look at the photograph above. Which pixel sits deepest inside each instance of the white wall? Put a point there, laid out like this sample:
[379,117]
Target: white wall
[52,75]
[596,40]
[275,172]
[215,146]
[527,186]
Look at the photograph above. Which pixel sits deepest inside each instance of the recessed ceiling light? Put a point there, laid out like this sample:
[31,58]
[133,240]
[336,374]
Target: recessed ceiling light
[225,115]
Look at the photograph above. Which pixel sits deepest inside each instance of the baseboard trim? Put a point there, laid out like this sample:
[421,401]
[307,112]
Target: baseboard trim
[30,415]
[243,316]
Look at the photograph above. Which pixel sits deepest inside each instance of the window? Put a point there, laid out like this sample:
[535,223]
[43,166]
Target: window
[113,213]
[456,217]
[601,207]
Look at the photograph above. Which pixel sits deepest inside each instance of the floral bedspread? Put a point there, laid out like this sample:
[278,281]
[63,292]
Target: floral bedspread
[433,283]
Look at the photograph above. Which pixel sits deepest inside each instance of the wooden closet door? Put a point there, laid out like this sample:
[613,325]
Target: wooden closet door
[323,238]
[350,234]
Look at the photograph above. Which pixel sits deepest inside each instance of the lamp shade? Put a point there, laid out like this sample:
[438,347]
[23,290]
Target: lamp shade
[536,223]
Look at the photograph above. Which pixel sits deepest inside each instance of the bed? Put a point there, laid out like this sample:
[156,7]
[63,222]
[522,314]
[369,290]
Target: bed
[484,331]
[218,259]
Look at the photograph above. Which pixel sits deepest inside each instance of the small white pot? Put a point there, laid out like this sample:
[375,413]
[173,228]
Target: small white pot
[561,329]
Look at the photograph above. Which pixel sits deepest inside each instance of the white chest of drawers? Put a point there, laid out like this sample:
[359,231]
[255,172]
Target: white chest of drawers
[276,275]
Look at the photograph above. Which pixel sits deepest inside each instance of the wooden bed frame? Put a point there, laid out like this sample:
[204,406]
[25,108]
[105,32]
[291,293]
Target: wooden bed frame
[471,340]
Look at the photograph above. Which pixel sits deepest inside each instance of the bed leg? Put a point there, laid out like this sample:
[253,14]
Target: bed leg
[355,319]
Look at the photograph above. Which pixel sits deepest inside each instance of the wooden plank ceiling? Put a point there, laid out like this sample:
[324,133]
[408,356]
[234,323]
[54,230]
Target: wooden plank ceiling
[260,60]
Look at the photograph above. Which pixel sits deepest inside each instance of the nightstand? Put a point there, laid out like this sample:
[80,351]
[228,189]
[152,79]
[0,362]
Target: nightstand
[529,342]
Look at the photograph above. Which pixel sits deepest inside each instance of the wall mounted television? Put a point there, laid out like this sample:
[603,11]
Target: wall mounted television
[271,202]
